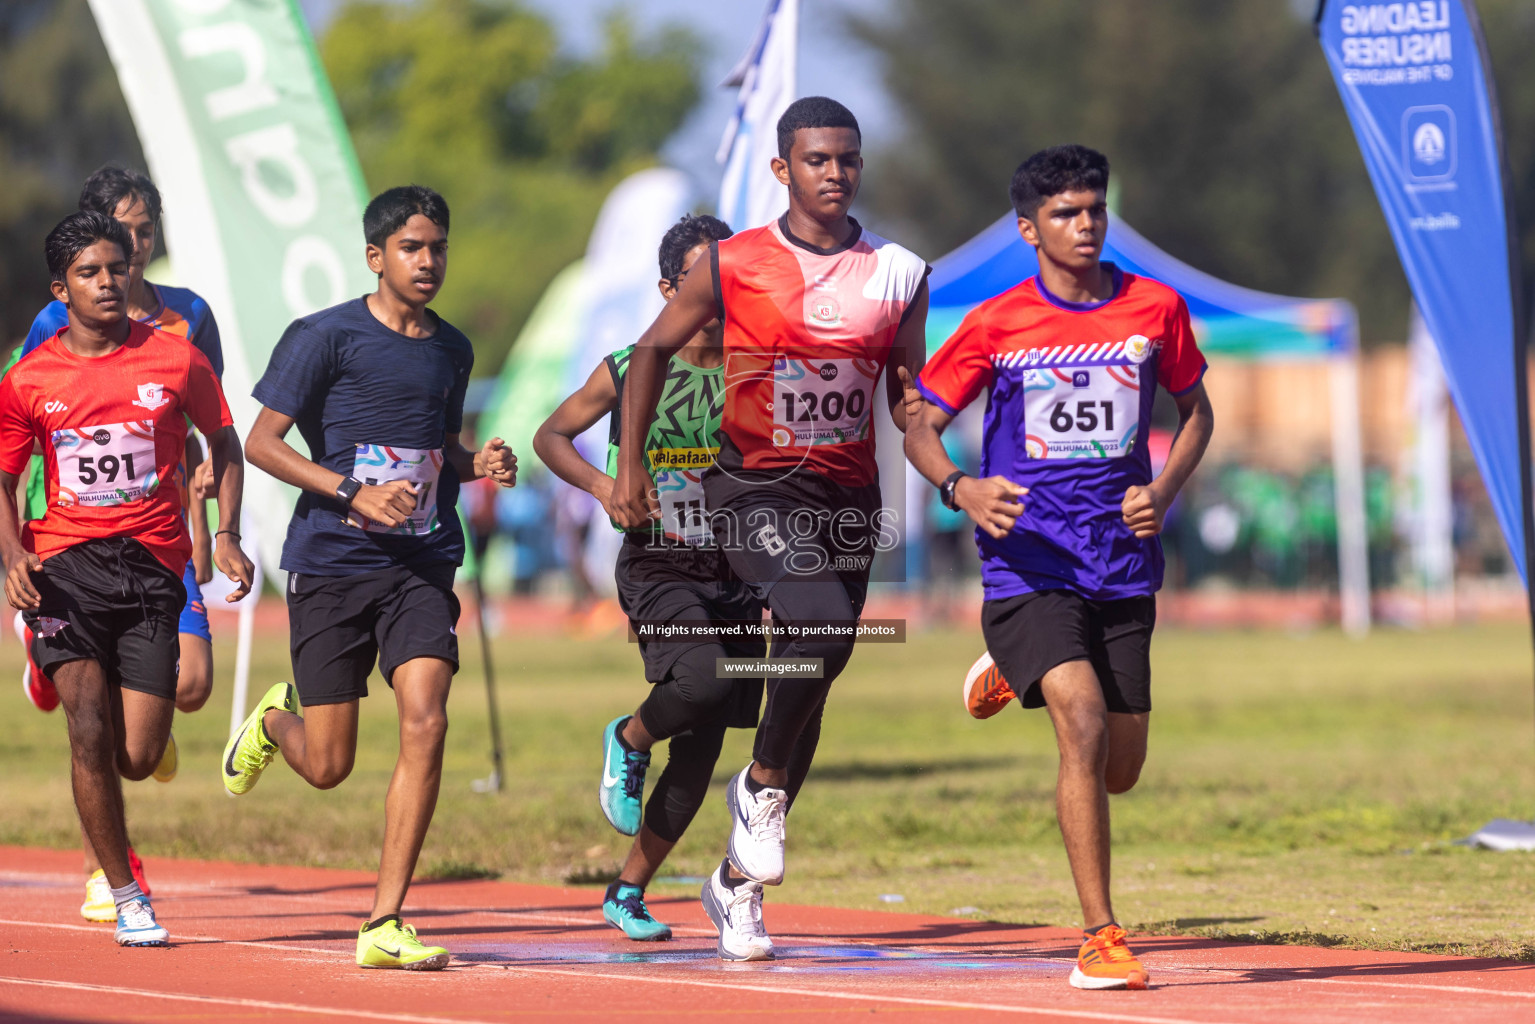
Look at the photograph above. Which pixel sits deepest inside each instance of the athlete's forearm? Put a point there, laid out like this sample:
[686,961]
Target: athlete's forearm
[564,460]
[642,393]
[228,476]
[273,455]
[924,446]
[464,461]
[10,521]
[1194,432]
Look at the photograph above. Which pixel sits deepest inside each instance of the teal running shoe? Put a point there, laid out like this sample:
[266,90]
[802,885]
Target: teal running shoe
[623,780]
[623,906]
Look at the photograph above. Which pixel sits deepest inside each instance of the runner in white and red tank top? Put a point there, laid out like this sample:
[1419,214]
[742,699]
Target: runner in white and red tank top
[816,310]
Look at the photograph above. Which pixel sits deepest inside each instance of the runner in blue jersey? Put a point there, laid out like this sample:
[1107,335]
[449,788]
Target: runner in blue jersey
[132,199]
[1066,506]
[376,388]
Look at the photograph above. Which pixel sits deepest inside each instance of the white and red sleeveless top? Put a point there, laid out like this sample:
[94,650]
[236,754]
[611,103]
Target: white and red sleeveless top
[807,333]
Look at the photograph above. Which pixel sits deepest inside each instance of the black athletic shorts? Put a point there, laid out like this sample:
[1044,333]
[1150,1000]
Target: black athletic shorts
[338,626]
[111,601]
[774,526]
[676,583]
[1030,634]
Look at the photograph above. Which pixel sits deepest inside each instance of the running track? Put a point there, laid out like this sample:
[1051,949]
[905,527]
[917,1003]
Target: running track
[276,944]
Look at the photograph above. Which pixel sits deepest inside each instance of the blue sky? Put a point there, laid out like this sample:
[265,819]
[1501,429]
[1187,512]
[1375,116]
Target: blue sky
[830,62]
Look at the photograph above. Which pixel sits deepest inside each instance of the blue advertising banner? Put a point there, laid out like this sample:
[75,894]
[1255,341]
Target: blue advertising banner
[1415,81]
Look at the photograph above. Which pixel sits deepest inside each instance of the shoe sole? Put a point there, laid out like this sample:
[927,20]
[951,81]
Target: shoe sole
[971,678]
[730,845]
[1135,980]
[717,915]
[234,744]
[602,790]
[100,918]
[662,936]
[144,942]
[431,963]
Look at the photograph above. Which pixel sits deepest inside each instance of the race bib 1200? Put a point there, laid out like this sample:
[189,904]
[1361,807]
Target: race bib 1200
[379,464]
[822,401]
[112,464]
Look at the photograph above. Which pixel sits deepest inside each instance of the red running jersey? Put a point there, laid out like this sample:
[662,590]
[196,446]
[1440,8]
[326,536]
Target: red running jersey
[113,432]
[807,333]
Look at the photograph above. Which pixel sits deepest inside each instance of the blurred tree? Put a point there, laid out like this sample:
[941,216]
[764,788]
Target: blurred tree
[1229,144]
[61,117]
[473,98]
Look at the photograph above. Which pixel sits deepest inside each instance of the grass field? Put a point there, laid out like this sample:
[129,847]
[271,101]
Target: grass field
[1299,787]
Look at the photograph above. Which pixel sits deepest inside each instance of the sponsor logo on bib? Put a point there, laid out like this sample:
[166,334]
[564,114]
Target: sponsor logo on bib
[102,436]
[1081,379]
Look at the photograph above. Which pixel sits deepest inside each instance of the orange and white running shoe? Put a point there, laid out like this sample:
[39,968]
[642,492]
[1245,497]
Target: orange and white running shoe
[1106,962]
[986,692]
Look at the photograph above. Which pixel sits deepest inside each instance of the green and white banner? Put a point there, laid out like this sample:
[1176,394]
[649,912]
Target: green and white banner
[263,198]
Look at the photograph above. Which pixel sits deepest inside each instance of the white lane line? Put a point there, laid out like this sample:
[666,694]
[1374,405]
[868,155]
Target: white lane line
[855,997]
[1159,968]
[254,1004]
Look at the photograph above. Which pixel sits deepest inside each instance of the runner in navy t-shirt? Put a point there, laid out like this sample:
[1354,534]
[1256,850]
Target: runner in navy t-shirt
[376,389]
[1066,507]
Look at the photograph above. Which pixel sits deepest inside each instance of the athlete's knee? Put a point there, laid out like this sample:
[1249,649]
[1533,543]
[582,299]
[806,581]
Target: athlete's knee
[329,772]
[1082,733]
[193,688]
[424,729]
[1122,778]
[136,765]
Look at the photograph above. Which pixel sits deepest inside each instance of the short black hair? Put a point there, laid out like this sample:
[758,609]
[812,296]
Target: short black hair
[389,211]
[684,235]
[105,190]
[77,233]
[813,112]
[1055,170]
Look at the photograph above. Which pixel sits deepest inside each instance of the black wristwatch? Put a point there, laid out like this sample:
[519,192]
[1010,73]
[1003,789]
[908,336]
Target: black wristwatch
[347,490]
[946,489]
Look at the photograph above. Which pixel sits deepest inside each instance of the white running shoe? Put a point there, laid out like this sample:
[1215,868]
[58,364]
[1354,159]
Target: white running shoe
[756,830]
[136,925]
[737,913]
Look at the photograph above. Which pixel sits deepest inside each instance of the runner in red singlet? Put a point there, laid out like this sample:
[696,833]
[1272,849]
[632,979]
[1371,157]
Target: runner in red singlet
[816,311]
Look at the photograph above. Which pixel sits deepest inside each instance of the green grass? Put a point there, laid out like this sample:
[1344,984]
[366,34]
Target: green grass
[1299,787]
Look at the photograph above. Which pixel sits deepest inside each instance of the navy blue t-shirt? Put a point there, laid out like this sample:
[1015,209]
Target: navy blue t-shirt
[374,404]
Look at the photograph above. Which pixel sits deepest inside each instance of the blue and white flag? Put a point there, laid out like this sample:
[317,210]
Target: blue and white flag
[1415,81]
[750,195]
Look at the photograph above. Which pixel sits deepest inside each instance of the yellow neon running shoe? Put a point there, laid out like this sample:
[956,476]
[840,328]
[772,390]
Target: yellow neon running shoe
[250,749]
[394,944]
[99,905]
[165,771]
[1106,962]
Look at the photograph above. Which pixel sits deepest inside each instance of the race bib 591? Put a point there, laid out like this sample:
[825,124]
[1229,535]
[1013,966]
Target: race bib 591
[112,464]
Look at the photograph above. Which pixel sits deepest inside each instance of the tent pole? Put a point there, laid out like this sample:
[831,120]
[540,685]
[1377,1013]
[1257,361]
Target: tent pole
[1348,468]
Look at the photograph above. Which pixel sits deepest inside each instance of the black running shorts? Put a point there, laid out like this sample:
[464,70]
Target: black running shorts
[796,525]
[338,626]
[111,601]
[681,584]
[1030,634]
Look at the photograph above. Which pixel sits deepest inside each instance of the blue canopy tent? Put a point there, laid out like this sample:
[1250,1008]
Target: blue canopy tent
[1229,321]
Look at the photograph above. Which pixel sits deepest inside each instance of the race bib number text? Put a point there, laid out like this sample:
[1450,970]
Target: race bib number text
[113,464]
[1081,412]
[379,464]
[822,401]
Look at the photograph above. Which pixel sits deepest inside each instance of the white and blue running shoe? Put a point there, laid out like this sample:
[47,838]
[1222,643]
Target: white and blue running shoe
[622,789]
[136,925]
[756,830]
[623,907]
[737,914]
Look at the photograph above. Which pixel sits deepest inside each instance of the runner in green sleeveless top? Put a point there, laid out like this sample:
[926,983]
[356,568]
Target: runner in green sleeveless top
[669,573]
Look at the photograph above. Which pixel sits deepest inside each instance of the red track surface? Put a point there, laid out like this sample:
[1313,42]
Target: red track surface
[277,944]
